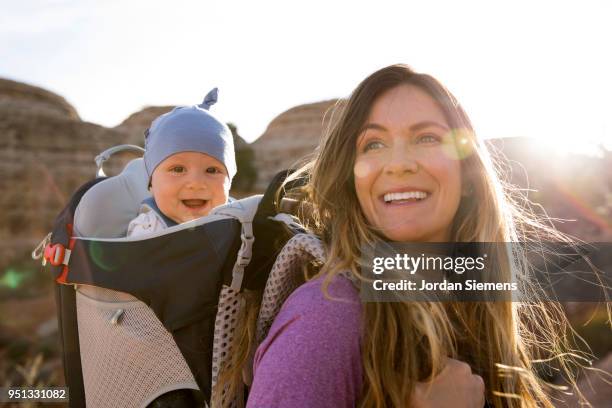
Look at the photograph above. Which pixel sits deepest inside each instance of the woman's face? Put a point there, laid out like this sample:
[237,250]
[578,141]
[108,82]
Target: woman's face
[407,173]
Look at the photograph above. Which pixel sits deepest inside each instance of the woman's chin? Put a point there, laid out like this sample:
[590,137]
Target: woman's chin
[401,235]
[412,233]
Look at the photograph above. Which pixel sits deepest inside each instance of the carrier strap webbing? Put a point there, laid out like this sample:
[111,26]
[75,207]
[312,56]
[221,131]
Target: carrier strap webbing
[65,298]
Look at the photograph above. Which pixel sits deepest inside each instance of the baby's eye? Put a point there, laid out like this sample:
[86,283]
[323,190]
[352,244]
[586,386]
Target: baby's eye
[213,170]
[178,169]
[428,138]
[374,144]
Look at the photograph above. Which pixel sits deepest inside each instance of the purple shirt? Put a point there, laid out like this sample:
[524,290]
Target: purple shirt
[312,355]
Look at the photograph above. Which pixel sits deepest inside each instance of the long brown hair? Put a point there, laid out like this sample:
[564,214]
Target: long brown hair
[404,343]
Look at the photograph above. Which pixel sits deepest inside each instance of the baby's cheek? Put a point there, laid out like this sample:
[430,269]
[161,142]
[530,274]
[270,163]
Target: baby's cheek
[221,192]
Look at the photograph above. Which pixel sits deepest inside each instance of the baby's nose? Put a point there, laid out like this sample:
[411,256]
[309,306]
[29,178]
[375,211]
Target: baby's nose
[196,180]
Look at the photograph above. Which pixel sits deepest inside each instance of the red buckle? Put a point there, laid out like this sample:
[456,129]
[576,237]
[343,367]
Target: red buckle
[54,254]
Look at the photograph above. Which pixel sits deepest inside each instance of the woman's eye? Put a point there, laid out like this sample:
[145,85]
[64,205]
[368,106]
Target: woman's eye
[429,138]
[374,144]
[178,169]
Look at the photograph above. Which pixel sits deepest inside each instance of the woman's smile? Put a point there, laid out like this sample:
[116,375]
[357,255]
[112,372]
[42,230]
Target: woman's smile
[406,196]
[404,206]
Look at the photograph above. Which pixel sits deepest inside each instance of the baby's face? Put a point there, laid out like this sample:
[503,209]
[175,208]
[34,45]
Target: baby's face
[187,185]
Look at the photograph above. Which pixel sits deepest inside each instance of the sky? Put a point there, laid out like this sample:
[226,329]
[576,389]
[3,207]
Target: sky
[523,68]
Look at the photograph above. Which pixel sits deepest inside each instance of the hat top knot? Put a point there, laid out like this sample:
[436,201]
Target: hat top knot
[210,99]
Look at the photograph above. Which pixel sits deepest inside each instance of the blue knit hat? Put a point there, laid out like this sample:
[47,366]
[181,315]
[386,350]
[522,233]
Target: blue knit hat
[190,129]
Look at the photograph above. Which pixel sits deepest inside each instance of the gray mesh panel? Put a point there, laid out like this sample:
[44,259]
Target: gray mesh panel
[286,275]
[226,322]
[131,362]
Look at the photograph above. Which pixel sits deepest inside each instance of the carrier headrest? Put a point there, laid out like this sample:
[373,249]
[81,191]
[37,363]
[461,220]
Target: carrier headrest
[107,208]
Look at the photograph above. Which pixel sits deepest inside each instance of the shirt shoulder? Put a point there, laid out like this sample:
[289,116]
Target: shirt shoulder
[339,300]
[146,222]
[312,354]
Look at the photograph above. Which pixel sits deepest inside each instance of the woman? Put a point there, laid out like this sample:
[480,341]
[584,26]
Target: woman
[402,163]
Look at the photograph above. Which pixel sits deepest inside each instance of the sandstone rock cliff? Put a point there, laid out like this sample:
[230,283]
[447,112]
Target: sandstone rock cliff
[46,152]
[135,125]
[290,137]
[17,98]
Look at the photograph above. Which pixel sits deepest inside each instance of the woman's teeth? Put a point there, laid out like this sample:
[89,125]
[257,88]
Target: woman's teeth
[410,195]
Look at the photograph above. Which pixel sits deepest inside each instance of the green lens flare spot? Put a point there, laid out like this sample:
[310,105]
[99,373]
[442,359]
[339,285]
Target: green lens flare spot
[12,278]
[96,251]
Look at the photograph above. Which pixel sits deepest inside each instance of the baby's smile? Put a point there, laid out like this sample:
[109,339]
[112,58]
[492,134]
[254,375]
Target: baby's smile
[194,203]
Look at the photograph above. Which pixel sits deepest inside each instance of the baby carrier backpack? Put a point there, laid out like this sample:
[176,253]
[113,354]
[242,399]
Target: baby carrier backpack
[142,317]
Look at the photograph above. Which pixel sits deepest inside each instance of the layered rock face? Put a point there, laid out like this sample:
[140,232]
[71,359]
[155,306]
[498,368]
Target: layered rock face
[17,98]
[136,124]
[46,152]
[290,137]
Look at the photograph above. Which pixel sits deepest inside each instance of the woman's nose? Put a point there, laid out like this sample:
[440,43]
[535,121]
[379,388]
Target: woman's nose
[401,160]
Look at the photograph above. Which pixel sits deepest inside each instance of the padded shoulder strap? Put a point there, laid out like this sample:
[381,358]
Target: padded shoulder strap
[244,211]
[286,275]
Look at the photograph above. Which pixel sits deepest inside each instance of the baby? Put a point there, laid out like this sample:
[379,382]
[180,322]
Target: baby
[190,160]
